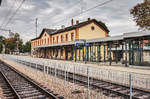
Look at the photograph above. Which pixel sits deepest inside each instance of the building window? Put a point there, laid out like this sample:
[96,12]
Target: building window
[61,52]
[38,43]
[62,38]
[57,38]
[48,40]
[54,40]
[66,37]
[45,41]
[35,43]
[72,36]
[92,28]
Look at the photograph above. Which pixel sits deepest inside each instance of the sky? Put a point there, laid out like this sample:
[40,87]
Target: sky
[55,13]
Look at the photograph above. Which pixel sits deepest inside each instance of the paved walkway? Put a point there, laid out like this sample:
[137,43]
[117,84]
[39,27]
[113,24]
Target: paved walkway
[118,67]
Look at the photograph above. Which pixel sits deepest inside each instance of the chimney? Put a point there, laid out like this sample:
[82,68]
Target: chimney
[146,0]
[89,19]
[72,23]
[77,21]
[63,27]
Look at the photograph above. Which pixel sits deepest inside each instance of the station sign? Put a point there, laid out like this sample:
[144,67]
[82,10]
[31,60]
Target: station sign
[82,44]
[87,44]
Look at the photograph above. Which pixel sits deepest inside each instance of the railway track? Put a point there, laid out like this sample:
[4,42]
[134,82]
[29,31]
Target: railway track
[8,92]
[16,85]
[114,89]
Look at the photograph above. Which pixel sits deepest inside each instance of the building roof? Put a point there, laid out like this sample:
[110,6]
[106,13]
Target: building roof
[61,44]
[101,24]
[49,31]
[121,37]
[54,45]
[54,31]
[136,34]
[105,39]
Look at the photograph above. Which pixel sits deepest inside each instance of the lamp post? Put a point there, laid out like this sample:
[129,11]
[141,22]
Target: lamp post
[17,50]
[3,45]
[0,2]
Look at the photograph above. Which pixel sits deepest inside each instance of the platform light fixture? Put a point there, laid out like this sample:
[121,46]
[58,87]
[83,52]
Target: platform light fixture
[0,2]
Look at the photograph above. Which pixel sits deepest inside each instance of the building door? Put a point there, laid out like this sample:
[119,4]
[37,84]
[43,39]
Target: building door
[66,54]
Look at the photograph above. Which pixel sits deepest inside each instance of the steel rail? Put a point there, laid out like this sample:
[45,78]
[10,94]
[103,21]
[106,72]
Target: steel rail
[82,79]
[13,89]
[61,74]
[41,89]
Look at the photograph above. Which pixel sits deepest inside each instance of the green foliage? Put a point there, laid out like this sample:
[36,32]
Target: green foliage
[26,47]
[148,44]
[2,41]
[11,43]
[141,15]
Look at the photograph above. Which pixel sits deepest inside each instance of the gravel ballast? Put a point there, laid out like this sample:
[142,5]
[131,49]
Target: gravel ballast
[59,86]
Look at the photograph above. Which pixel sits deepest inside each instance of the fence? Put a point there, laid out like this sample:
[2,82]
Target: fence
[120,77]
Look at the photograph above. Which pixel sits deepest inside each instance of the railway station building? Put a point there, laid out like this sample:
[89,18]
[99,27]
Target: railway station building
[90,41]
[60,44]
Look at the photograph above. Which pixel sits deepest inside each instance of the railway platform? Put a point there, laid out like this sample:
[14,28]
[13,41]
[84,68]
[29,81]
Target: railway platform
[105,65]
[119,75]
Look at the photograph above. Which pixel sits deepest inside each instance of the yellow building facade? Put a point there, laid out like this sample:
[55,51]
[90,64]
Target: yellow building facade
[61,44]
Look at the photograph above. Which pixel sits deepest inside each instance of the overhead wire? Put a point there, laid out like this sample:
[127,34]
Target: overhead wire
[5,7]
[10,19]
[9,12]
[84,11]
[101,4]
[72,6]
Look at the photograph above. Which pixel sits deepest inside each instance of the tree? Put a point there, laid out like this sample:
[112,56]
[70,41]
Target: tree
[26,47]
[141,14]
[11,43]
[2,42]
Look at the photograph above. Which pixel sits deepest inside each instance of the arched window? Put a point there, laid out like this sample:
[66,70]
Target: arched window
[66,37]
[72,36]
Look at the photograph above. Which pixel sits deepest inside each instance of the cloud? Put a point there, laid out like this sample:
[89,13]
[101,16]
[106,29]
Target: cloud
[54,13]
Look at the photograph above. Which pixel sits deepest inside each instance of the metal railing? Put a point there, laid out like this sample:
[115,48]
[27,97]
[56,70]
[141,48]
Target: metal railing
[137,80]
